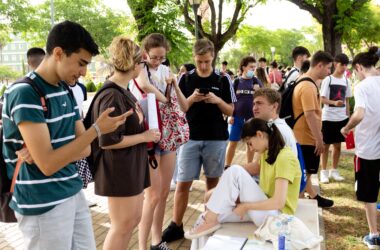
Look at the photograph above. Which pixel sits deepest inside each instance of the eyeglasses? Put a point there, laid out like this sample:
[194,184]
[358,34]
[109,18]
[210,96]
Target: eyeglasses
[158,59]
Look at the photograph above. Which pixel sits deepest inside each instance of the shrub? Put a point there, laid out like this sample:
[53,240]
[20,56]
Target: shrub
[90,86]
[2,90]
[99,85]
[352,104]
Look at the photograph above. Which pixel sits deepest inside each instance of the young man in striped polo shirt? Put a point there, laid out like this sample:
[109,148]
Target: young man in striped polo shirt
[50,208]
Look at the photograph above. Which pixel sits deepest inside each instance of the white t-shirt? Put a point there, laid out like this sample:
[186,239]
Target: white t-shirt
[158,77]
[367,132]
[79,96]
[287,134]
[335,89]
[295,72]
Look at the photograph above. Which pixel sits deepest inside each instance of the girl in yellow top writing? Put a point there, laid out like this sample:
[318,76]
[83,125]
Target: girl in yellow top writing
[237,197]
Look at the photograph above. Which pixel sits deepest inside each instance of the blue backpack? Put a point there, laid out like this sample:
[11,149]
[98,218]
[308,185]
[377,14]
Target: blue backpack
[303,170]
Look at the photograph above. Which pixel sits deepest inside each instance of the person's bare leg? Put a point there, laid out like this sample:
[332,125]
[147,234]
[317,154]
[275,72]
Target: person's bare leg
[167,165]
[309,187]
[336,154]
[125,214]
[371,213]
[325,157]
[152,196]
[231,149]
[181,198]
[211,183]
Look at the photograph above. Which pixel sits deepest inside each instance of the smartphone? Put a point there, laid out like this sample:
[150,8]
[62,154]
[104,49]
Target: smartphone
[204,91]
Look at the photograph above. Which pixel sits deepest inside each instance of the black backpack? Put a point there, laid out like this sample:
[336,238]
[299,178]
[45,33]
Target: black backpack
[87,122]
[282,88]
[286,111]
[6,213]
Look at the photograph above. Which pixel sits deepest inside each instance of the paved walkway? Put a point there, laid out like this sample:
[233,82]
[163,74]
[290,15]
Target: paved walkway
[11,238]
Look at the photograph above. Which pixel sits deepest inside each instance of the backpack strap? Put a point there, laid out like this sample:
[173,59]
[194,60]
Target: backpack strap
[37,89]
[236,84]
[15,173]
[138,87]
[282,88]
[302,79]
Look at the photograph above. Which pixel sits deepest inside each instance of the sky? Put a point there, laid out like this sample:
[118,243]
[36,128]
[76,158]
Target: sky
[275,14]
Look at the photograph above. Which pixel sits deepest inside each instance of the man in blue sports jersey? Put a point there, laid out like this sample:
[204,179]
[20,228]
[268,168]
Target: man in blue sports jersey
[48,202]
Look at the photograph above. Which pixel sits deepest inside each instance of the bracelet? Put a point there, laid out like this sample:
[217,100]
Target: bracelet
[97,129]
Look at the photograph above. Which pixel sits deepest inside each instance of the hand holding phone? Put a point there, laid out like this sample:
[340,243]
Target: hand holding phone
[204,91]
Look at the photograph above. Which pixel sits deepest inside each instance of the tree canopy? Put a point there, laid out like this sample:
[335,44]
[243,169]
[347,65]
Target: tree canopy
[257,41]
[331,13]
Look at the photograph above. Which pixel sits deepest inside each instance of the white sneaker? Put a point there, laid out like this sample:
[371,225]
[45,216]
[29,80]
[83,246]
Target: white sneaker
[324,176]
[335,175]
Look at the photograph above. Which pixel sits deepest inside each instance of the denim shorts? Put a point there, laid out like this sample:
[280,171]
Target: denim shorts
[160,152]
[195,154]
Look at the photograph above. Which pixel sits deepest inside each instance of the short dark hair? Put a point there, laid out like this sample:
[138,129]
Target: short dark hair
[321,57]
[300,51]
[71,37]
[35,56]
[342,59]
[367,59]
[262,59]
[225,63]
[274,64]
[189,66]
[305,66]
[35,51]
[245,61]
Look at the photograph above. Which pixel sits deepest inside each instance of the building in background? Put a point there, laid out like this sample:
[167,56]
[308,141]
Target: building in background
[13,54]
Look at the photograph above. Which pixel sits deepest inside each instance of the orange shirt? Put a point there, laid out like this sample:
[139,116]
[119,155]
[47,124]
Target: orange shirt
[305,98]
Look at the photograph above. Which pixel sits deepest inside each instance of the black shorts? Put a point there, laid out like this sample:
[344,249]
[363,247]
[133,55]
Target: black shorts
[331,131]
[310,158]
[367,179]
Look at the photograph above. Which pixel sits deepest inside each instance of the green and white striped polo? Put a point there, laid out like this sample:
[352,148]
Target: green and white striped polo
[34,192]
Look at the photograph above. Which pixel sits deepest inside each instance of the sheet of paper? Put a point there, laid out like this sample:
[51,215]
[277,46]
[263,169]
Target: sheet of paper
[217,242]
[152,111]
[255,244]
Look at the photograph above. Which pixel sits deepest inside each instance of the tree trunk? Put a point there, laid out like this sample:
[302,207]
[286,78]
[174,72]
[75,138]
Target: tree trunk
[217,48]
[352,53]
[332,39]
[142,12]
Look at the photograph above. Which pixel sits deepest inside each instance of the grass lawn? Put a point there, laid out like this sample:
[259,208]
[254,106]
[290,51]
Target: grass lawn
[345,222]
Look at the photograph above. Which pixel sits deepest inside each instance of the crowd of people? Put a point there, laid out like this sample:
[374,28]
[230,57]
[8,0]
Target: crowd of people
[203,114]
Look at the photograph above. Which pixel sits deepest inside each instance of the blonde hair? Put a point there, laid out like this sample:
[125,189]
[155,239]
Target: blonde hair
[202,47]
[124,53]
